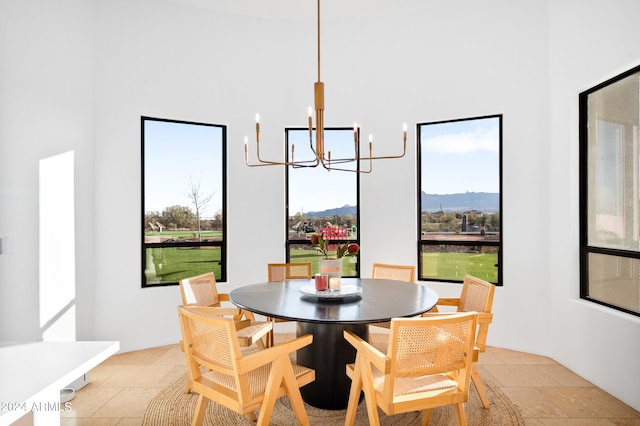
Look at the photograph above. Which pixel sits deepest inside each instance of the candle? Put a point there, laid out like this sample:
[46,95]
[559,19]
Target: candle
[334,283]
[355,132]
[257,127]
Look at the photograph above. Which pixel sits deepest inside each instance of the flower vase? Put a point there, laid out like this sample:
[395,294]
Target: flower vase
[331,267]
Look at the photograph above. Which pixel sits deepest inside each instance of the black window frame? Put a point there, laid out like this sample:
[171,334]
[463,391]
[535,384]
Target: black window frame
[460,242]
[586,248]
[222,244]
[288,242]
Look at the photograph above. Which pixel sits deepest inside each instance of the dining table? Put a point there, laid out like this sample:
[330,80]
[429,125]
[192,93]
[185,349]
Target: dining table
[326,315]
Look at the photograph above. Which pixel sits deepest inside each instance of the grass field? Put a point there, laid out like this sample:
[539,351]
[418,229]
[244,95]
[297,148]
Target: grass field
[166,265]
[454,266]
[172,264]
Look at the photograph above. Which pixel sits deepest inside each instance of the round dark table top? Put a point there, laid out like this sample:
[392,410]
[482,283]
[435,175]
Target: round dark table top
[379,301]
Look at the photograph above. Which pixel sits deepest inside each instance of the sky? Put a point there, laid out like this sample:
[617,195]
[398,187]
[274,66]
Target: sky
[176,154]
[460,156]
[457,157]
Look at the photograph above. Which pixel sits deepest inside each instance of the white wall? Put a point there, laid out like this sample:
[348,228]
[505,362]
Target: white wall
[413,62]
[46,108]
[586,49]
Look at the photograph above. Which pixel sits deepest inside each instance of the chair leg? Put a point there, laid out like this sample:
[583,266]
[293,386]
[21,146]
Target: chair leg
[295,397]
[370,395]
[461,415]
[354,397]
[270,341]
[201,410]
[426,416]
[477,381]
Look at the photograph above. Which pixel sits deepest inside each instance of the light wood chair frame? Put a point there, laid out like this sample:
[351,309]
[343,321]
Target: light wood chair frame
[252,331]
[476,296]
[414,376]
[282,272]
[387,271]
[220,372]
[292,271]
[378,271]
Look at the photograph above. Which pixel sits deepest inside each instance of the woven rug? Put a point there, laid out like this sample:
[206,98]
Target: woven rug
[172,407]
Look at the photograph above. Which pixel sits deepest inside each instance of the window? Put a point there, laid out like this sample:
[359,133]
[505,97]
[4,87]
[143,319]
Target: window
[459,199]
[183,200]
[324,202]
[610,193]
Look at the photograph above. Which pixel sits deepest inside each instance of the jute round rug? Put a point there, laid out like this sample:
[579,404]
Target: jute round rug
[172,407]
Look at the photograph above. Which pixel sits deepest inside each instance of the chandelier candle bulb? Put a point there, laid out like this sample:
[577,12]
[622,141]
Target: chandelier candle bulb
[257,127]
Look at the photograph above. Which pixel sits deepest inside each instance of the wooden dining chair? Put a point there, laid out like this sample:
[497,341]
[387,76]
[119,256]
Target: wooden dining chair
[220,372]
[284,272]
[476,296]
[428,364]
[289,271]
[392,272]
[201,290]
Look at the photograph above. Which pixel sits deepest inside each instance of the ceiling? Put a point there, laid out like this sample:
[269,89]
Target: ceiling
[305,9]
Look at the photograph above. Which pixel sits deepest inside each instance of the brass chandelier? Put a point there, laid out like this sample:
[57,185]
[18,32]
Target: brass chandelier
[322,158]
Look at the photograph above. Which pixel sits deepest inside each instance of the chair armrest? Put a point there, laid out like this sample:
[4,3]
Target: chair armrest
[377,358]
[215,310]
[485,317]
[448,301]
[265,356]
[224,297]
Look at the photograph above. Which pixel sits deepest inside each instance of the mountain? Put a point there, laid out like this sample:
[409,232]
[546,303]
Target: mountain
[468,201]
[463,202]
[338,211]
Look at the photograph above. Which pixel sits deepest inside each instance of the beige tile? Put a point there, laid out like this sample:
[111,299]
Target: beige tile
[172,356]
[563,376]
[128,403]
[508,356]
[547,393]
[173,374]
[533,403]
[488,357]
[142,357]
[587,402]
[88,400]
[102,372]
[514,375]
[627,422]
[93,421]
[138,376]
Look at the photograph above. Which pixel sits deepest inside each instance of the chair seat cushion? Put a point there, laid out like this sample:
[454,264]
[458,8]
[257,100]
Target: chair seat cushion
[257,378]
[409,385]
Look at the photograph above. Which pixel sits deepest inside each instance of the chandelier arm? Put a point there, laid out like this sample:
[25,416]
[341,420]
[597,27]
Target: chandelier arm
[326,162]
[261,162]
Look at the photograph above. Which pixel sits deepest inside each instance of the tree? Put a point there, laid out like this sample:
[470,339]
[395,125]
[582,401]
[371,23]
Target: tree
[177,217]
[199,202]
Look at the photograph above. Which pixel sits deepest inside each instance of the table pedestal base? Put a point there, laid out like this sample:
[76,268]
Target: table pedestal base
[328,355]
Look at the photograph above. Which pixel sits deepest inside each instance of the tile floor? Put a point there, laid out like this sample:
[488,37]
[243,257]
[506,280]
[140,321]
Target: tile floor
[547,393]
